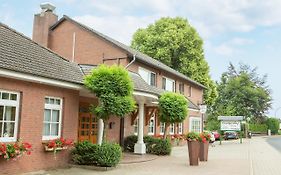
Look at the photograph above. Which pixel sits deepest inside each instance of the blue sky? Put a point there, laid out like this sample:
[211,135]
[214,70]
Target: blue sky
[233,30]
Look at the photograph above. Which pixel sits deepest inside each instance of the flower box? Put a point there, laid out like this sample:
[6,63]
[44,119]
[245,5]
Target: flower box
[57,145]
[47,149]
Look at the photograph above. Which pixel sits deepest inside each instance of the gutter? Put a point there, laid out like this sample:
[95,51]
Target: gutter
[134,59]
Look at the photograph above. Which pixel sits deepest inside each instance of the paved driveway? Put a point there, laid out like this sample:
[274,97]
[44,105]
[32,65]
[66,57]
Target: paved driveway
[254,157]
[231,158]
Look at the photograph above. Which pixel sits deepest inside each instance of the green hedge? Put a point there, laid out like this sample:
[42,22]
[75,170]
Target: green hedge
[105,155]
[153,145]
[260,128]
[273,125]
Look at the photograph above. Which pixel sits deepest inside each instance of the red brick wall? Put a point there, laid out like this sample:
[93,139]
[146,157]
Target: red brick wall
[89,48]
[31,124]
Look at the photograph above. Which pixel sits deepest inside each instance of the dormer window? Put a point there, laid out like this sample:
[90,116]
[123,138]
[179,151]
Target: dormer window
[148,76]
[168,84]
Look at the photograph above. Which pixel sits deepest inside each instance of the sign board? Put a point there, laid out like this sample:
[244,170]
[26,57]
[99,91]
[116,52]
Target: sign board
[231,118]
[230,125]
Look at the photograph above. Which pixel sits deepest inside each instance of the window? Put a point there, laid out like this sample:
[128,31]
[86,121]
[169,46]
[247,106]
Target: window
[180,128]
[181,88]
[136,122]
[172,129]
[151,126]
[9,114]
[148,76]
[195,124]
[189,91]
[162,128]
[168,84]
[52,118]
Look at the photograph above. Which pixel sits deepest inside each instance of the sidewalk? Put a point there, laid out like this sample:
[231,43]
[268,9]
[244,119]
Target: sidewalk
[253,157]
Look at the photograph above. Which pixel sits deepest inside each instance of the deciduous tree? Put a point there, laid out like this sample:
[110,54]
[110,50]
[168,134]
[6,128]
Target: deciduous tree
[177,44]
[114,88]
[173,109]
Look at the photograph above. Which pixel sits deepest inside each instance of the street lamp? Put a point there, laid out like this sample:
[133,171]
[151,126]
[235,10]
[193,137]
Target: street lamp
[203,110]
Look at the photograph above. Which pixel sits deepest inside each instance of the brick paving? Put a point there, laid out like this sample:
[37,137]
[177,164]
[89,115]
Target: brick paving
[253,157]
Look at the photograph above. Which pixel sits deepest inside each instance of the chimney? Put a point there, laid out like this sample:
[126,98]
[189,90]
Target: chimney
[42,22]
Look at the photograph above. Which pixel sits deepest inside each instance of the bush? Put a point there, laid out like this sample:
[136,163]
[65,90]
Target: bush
[129,143]
[105,155]
[108,155]
[260,128]
[153,145]
[84,153]
[273,125]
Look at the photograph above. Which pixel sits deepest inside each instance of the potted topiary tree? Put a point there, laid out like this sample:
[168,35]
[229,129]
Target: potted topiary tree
[114,89]
[204,139]
[173,109]
[193,148]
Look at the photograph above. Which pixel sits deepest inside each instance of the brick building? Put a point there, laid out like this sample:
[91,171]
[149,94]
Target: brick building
[42,95]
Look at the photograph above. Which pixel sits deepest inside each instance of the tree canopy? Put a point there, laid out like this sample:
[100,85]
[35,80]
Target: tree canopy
[242,92]
[173,108]
[114,89]
[176,43]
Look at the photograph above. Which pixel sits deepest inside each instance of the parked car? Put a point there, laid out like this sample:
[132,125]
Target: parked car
[230,135]
[216,134]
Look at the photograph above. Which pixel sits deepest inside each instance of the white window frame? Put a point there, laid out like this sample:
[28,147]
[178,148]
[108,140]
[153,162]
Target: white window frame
[191,128]
[151,126]
[180,128]
[136,126]
[172,129]
[162,128]
[53,107]
[173,83]
[148,78]
[13,103]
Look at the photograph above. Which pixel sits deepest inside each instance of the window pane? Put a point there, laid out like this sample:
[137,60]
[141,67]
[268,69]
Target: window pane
[57,102]
[144,75]
[47,100]
[46,129]
[47,115]
[164,83]
[152,79]
[5,95]
[10,113]
[52,101]
[13,97]
[9,129]
[55,129]
[55,116]
[1,113]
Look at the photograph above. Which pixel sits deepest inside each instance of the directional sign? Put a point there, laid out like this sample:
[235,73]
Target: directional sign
[230,125]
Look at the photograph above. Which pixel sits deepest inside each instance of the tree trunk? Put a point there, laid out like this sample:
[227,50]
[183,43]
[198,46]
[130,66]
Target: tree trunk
[100,131]
[105,125]
[166,130]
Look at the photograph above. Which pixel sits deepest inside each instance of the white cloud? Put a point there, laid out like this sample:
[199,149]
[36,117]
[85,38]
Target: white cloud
[231,47]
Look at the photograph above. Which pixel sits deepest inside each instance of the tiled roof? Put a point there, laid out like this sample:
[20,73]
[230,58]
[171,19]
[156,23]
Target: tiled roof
[19,53]
[139,56]
[139,84]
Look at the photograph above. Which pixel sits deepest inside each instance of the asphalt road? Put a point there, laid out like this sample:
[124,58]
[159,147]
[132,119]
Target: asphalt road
[275,142]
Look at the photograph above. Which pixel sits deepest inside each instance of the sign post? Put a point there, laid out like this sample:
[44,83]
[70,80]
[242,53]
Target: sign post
[231,123]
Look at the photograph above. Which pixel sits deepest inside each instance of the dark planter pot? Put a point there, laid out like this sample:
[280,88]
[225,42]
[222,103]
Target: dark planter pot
[193,150]
[204,148]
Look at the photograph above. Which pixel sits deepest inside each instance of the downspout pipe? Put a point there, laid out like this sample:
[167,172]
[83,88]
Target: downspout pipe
[134,59]
[122,121]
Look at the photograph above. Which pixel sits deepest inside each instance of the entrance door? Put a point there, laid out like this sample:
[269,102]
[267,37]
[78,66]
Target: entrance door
[88,127]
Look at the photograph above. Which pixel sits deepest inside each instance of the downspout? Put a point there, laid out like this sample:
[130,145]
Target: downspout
[122,121]
[134,59]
